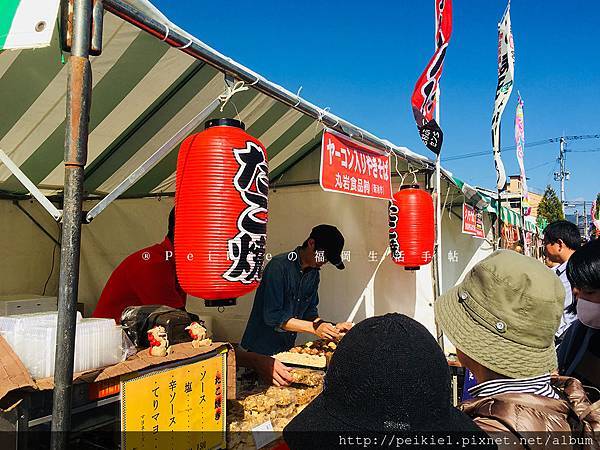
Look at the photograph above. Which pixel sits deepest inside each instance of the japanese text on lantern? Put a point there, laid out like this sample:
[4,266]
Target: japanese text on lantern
[185,398]
[352,168]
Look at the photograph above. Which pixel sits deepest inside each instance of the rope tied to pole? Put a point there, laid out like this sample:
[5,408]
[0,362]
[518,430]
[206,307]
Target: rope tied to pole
[298,97]
[166,34]
[411,171]
[230,91]
[320,117]
[185,45]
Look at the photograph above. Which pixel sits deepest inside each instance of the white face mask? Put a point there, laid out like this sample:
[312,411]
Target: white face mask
[588,313]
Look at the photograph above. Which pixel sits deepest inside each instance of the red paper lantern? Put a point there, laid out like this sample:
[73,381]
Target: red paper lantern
[221,212]
[412,230]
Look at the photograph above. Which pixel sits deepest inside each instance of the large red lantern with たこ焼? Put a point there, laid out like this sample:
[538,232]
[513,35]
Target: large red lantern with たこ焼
[220,212]
[412,229]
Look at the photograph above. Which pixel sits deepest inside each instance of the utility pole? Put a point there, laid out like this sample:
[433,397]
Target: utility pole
[562,174]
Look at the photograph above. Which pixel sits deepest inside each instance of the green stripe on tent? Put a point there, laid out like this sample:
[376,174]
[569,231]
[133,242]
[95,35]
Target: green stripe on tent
[148,124]
[271,116]
[314,144]
[473,197]
[27,77]
[128,71]
[155,176]
[290,134]
[7,15]
[168,164]
[508,216]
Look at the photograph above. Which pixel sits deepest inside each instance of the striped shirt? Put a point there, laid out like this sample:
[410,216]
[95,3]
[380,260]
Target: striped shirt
[567,318]
[539,385]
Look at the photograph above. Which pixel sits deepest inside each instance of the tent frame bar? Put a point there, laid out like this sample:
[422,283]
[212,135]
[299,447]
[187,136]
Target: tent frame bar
[152,160]
[32,188]
[230,67]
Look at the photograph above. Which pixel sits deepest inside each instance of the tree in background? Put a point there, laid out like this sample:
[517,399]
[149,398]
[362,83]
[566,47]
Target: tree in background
[550,207]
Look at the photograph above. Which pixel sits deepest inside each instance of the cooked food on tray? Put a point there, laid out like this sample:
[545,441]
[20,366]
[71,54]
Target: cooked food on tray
[311,354]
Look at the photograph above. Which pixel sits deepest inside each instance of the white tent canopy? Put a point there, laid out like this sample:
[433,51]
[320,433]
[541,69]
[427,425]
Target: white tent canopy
[144,92]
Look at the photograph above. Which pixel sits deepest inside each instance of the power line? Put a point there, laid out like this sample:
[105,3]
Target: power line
[591,150]
[527,145]
[577,138]
[488,152]
[538,166]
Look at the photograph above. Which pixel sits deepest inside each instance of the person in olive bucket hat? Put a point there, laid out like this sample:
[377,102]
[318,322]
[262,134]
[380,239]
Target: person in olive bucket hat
[502,319]
[387,376]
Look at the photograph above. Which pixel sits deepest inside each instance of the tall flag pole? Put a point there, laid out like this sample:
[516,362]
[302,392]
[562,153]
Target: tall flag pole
[506,70]
[520,141]
[423,100]
[520,147]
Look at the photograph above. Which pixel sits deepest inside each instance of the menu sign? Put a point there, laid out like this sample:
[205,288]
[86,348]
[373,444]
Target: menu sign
[472,222]
[353,168]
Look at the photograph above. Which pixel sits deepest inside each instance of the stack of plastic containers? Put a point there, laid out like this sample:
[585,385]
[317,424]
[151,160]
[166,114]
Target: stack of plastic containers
[98,342]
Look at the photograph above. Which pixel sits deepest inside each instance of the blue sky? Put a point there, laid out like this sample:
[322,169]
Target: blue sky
[362,59]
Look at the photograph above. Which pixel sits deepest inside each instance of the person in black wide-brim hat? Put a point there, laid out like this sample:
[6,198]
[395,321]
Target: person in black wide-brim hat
[387,376]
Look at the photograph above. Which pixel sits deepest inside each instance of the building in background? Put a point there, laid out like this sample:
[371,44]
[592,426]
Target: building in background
[512,196]
[514,193]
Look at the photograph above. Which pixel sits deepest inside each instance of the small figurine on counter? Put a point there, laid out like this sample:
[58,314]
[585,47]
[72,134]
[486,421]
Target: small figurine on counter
[199,335]
[159,344]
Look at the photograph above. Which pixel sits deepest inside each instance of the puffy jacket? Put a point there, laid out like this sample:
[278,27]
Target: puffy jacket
[557,418]
[579,356]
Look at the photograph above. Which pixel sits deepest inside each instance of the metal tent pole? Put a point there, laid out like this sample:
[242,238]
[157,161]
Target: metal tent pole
[498,240]
[499,222]
[437,266]
[79,95]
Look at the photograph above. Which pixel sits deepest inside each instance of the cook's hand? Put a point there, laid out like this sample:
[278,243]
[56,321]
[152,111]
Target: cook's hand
[344,327]
[327,331]
[272,371]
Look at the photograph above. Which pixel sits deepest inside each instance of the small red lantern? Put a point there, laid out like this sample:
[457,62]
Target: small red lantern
[221,212]
[412,230]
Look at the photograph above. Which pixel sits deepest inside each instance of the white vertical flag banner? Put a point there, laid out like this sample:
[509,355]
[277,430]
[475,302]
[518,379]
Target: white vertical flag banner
[506,72]
[520,141]
[27,23]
